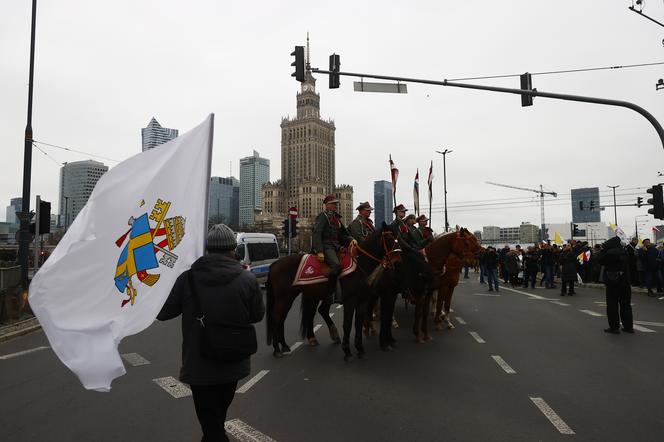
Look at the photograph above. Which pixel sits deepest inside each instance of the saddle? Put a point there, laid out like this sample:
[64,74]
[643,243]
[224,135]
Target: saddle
[312,271]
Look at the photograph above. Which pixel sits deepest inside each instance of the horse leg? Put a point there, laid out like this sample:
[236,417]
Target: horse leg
[448,305]
[417,325]
[282,336]
[425,317]
[324,311]
[360,315]
[349,310]
[439,317]
[386,313]
[311,313]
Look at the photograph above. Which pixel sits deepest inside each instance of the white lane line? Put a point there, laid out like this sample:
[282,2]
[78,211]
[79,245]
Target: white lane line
[251,382]
[21,353]
[173,387]
[245,433]
[530,295]
[134,359]
[643,329]
[653,324]
[560,303]
[477,337]
[504,365]
[591,313]
[340,306]
[317,327]
[484,294]
[547,411]
[460,320]
[295,346]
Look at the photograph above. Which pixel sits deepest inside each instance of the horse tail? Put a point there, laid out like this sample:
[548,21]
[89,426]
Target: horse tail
[307,312]
[269,309]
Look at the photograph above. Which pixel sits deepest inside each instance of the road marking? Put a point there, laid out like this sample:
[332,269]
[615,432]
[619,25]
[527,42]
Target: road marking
[477,337]
[643,329]
[134,359]
[591,313]
[654,324]
[251,382]
[532,296]
[340,306]
[173,387]
[560,303]
[547,411]
[245,433]
[317,327]
[21,353]
[484,294]
[295,346]
[504,365]
[460,320]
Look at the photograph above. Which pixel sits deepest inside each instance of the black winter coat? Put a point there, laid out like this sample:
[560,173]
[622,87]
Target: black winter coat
[568,266]
[229,294]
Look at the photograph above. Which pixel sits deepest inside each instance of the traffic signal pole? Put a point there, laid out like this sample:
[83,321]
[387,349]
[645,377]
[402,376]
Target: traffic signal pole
[533,93]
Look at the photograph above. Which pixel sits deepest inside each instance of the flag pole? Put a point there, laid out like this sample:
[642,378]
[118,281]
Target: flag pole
[207,183]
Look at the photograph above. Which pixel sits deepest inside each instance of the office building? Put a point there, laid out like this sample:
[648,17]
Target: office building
[77,181]
[383,202]
[224,201]
[13,207]
[254,172]
[153,135]
[585,205]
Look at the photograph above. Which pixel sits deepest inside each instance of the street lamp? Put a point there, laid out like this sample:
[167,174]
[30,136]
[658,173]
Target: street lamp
[615,209]
[444,153]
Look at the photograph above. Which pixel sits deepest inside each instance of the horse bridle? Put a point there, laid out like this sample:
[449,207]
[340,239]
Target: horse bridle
[387,260]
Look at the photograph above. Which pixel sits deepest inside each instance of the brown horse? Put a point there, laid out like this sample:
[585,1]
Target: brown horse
[376,250]
[458,243]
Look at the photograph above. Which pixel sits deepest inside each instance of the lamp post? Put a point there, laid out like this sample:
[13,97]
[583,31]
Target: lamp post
[615,209]
[444,154]
[66,211]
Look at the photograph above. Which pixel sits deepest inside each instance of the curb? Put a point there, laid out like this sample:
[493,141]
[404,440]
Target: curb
[17,329]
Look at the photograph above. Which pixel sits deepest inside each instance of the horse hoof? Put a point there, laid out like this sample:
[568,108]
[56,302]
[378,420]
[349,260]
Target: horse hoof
[428,338]
[313,342]
[450,325]
[285,348]
[395,324]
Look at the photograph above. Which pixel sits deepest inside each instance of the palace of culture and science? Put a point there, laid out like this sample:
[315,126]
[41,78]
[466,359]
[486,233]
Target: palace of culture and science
[307,169]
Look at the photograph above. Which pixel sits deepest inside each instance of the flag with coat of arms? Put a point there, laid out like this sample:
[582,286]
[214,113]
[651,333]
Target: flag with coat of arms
[143,225]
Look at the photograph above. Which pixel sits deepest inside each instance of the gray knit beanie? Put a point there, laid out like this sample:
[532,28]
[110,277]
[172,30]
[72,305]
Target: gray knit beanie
[221,238]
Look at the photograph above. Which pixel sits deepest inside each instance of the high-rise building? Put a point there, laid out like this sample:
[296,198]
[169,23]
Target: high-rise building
[585,205]
[153,135]
[13,207]
[383,203]
[528,233]
[77,181]
[254,172]
[224,201]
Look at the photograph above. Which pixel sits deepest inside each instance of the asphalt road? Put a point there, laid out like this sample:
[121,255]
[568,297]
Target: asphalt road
[537,366]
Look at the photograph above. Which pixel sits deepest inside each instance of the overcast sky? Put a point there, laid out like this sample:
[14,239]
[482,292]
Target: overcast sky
[103,69]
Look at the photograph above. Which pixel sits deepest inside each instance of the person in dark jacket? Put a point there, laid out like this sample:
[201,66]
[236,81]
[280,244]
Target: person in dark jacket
[649,257]
[632,257]
[568,270]
[615,260]
[491,262]
[227,293]
[530,267]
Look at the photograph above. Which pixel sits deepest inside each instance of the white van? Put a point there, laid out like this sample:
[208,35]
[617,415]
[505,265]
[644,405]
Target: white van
[256,251]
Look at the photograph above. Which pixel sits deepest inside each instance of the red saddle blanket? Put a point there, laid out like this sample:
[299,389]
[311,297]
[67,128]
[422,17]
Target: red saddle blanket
[310,270]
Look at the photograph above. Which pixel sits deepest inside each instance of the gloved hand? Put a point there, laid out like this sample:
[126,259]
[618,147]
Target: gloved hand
[320,256]
[352,244]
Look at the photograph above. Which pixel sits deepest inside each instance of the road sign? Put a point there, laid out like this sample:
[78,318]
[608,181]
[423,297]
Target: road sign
[395,88]
[292,212]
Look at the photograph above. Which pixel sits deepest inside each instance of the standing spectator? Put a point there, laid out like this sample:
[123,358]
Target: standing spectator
[530,267]
[555,252]
[615,260]
[649,258]
[632,259]
[480,260]
[502,259]
[491,262]
[223,293]
[568,264]
[594,264]
[512,264]
[548,264]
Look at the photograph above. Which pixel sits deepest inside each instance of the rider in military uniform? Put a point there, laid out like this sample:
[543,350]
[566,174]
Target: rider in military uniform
[423,233]
[402,229]
[328,236]
[413,261]
[362,226]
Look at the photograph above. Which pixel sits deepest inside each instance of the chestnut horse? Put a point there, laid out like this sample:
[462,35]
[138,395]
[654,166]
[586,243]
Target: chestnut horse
[378,248]
[458,243]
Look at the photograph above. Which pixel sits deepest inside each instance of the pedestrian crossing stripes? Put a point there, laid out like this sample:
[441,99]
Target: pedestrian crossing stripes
[251,382]
[460,320]
[134,359]
[173,387]
[477,337]
[244,432]
[504,365]
[553,417]
[591,313]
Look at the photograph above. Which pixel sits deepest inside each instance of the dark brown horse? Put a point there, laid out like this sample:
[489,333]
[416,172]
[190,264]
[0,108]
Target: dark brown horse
[377,249]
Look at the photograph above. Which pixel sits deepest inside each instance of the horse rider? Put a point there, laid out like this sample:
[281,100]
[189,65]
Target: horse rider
[362,226]
[424,232]
[401,229]
[329,236]
[414,263]
[413,236]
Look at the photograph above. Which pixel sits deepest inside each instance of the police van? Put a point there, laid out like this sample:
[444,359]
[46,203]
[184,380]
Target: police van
[256,251]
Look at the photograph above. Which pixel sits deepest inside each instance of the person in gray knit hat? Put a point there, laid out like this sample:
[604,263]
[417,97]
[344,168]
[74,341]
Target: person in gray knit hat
[228,294]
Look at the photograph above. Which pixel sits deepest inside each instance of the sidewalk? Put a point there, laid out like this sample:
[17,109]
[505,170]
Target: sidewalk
[19,328]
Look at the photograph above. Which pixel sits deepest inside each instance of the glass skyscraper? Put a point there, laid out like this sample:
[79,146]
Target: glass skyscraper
[224,200]
[383,204]
[582,200]
[77,181]
[254,172]
[153,135]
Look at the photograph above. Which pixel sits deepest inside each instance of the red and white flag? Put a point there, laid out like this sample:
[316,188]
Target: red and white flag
[395,175]
[430,183]
[416,192]
[655,229]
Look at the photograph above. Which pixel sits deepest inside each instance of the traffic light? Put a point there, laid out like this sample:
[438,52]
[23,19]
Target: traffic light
[335,65]
[293,227]
[657,201]
[44,217]
[639,201]
[298,53]
[526,85]
[592,205]
[575,230]
[286,229]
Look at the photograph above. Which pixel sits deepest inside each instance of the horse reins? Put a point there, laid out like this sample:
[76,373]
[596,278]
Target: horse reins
[385,262]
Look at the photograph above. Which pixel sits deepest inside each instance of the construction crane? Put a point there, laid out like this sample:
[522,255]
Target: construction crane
[541,193]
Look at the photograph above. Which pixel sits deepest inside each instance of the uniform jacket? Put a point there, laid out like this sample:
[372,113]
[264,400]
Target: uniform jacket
[227,293]
[360,228]
[329,232]
[424,236]
[404,235]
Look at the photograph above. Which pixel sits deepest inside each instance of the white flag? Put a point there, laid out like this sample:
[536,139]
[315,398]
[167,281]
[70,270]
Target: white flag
[144,224]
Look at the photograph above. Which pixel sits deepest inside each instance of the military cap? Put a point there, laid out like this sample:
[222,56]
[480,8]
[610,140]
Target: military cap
[330,199]
[411,216]
[422,217]
[399,208]
[364,206]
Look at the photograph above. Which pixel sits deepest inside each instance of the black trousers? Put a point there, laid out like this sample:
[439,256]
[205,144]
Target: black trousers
[619,298]
[565,284]
[211,403]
